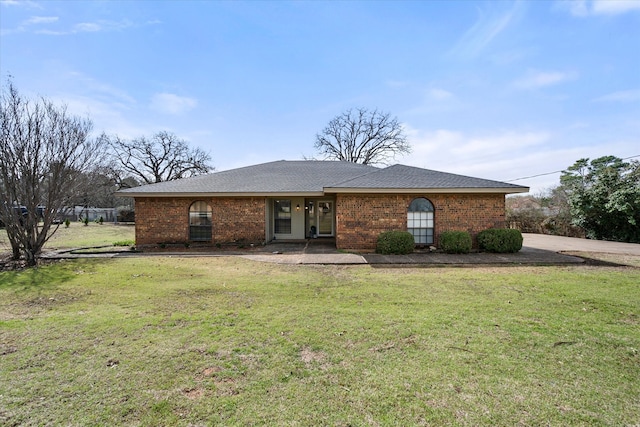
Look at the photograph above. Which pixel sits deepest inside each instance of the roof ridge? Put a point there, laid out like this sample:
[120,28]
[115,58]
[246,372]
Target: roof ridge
[358,177]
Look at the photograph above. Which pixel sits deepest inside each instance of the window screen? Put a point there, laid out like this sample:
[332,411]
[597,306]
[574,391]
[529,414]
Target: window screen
[200,221]
[420,221]
[282,216]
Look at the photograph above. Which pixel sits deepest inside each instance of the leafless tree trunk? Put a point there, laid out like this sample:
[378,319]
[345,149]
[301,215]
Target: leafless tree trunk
[362,136]
[164,157]
[42,149]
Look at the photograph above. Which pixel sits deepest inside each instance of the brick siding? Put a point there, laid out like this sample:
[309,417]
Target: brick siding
[166,219]
[362,217]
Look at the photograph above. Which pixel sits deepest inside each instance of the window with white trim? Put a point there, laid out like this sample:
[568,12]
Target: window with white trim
[420,221]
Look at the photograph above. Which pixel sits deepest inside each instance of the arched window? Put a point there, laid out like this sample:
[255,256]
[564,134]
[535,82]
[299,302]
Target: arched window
[420,221]
[200,221]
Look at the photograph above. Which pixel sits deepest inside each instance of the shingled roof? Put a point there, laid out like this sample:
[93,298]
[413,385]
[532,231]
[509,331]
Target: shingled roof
[401,177]
[316,178]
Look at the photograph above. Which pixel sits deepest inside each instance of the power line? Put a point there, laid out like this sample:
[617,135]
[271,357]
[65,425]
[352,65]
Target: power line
[533,176]
[560,171]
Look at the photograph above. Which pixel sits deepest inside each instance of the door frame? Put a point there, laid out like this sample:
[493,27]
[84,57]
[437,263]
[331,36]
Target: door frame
[316,214]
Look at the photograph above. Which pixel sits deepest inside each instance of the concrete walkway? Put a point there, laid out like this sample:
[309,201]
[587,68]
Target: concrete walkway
[537,250]
[324,252]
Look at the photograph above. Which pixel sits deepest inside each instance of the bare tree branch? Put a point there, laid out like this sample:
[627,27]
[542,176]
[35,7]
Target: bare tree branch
[43,148]
[164,157]
[362,136]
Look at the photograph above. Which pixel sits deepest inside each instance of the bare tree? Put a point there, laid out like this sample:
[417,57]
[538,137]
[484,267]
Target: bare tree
[163,157]
[43,149]
[362,136]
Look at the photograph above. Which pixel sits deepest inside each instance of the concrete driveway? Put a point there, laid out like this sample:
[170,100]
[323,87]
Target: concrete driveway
[572,244]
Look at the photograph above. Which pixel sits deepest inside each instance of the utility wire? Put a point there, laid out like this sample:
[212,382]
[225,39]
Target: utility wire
[560,171]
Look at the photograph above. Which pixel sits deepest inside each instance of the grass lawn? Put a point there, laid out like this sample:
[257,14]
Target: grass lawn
[227,341]
[80,236]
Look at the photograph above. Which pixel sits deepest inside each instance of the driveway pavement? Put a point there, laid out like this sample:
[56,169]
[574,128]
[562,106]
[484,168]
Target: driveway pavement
[572,244]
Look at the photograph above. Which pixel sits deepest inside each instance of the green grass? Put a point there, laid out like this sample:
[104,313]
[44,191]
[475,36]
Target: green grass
[80,236]
[227,341]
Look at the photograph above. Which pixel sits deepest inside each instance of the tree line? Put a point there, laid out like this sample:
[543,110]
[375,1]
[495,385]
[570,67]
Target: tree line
[49,161]
[597,199]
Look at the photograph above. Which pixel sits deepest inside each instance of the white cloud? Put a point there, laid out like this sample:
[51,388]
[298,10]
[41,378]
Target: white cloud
[87,27]
[507,155]
[168,103]
[439,94]
[102,25]
[620,96]
[539,79]
[24,25]
[500,142]
[34,20]
[487,27]
[97,89]
[614,7]
[21,3]
[584,8]
[495,155]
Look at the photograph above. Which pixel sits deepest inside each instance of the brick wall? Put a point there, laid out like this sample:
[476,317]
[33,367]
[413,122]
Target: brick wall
[160,219]
[239,219]
[362,217]
[165,219]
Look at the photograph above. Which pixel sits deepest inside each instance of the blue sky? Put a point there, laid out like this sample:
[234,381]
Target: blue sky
[499,90]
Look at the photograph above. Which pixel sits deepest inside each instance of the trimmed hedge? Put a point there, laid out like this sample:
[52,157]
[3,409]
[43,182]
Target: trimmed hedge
[395,242]
[455,242]
[500,240]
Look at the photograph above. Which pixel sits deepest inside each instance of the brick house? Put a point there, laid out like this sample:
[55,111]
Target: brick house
[296,200]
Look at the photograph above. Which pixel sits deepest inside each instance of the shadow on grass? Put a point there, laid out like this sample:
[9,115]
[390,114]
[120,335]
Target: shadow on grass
[44,277]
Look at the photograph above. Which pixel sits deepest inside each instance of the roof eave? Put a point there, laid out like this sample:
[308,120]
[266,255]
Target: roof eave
[331,190]
[231,194]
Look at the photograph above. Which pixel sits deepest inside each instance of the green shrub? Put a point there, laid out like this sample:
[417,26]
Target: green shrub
[455,242]
[67,223]
[500,240]
[395,242]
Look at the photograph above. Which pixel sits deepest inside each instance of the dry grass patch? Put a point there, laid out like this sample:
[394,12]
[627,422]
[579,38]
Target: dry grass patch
[226,341]
[620,259]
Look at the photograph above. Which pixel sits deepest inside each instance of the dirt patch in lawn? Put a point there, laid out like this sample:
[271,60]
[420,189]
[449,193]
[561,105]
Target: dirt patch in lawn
[7,264]
[310,357]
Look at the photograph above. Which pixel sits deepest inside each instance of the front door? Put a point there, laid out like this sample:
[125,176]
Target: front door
[325,218]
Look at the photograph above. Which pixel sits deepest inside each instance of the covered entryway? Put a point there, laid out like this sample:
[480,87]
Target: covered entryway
[297,218]
[285,219]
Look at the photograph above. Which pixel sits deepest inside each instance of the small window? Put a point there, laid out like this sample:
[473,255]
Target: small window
[282,216]
[420,221]
[200,222]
